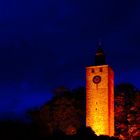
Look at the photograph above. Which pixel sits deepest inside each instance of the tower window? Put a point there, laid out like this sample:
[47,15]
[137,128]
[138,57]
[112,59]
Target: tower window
[96,108]
[101,69]
[92,70]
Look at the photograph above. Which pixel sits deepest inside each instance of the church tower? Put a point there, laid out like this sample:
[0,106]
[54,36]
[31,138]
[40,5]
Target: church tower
[100,96]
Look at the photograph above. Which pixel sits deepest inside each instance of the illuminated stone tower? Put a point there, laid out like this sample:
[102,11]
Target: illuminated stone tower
[100,96]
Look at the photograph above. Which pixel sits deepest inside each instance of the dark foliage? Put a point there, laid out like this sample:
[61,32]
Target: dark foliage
[127,111]
[21,131]
[65,112]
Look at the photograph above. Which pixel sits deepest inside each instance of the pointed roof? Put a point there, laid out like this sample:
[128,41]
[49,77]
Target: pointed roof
[100,56]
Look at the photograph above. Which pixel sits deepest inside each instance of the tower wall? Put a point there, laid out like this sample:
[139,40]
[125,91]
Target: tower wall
[111,101]
[100,100]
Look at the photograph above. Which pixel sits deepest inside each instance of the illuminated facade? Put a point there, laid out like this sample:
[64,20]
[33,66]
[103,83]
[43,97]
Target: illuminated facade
[100,96]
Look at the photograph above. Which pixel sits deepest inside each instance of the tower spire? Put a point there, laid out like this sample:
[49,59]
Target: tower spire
[100,55]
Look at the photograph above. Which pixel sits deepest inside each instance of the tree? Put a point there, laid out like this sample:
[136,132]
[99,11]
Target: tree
[64,112]
[127,110]
[133,117]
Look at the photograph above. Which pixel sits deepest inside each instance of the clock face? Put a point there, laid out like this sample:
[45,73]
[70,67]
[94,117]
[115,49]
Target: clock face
[97,79]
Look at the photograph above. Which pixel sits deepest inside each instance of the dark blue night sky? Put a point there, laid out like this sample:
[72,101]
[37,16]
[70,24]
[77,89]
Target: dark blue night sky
[48,43]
